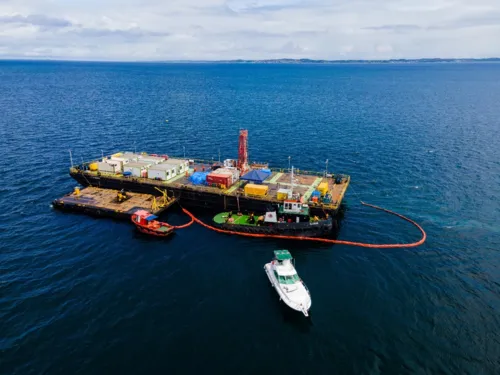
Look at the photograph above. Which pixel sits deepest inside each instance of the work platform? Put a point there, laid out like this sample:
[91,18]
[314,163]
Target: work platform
[233,197]
[104,202]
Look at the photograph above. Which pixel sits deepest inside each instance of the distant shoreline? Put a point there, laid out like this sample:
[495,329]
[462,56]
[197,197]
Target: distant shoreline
[269,61]
[312,61]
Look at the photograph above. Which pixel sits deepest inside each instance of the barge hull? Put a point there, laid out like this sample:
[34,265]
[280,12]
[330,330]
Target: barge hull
[191,198]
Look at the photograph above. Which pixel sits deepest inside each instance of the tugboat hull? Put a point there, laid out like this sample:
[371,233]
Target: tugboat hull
[153,232]
[314,229]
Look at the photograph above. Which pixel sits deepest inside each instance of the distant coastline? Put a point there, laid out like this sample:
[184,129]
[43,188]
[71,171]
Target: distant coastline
[313,61]
[272,61]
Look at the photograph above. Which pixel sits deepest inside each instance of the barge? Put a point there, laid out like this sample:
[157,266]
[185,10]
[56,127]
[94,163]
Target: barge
[233,185]
[112,203]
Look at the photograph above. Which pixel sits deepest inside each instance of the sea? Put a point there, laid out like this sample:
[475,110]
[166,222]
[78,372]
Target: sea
[83,295]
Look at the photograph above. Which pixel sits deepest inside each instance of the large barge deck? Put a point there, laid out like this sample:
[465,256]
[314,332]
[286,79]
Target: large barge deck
[231,198]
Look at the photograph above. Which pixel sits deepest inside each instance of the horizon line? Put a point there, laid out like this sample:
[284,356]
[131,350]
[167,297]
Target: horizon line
[243,60]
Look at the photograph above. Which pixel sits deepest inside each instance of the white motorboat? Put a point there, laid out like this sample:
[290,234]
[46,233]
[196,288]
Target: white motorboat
[288,284]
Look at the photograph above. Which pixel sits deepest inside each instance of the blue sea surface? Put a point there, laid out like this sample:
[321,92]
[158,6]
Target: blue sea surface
[80,295]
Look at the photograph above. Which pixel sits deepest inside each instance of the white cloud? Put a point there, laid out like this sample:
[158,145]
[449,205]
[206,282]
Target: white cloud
[248,29]
[384,48]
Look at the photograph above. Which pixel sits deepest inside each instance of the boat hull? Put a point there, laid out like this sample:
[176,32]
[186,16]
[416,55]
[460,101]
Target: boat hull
[154,232]
[317,229]
[302,307]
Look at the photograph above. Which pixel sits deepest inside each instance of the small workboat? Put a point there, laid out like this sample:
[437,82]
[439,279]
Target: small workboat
[291,218]
[146,223]
[290,287]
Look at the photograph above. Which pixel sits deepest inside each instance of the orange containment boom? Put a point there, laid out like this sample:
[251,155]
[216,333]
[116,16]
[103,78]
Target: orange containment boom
[326,240]
[181,226]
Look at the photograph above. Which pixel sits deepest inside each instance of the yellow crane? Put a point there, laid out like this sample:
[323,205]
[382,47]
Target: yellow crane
[155,205]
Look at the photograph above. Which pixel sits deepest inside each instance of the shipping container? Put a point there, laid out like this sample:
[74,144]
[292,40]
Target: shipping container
[284,194]
[233,171]
[109,166]
[181,164]
[253,189]
[219,179]
[131,155]
[162,172]
[137,169]
[123,159]
[151,159]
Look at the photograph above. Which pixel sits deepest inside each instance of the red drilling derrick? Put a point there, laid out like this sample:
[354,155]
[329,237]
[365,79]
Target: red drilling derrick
[243,151]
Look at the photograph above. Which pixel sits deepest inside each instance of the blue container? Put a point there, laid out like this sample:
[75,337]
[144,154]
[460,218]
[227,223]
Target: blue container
[316,193]
[127,174]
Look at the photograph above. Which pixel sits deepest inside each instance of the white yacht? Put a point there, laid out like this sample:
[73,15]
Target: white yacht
[288,284]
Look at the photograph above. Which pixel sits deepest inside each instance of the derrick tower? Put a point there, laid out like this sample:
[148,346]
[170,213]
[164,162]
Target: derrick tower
[243,151]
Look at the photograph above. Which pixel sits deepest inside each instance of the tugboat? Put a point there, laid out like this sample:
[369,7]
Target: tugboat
[290,287]
[289,219]
[146,223]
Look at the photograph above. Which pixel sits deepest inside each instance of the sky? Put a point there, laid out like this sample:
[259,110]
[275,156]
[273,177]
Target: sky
[155,30]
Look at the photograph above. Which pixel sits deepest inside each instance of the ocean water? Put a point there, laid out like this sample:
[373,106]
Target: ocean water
[80,295]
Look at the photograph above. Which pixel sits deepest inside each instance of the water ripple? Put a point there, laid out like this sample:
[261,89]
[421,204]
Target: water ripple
[83,295]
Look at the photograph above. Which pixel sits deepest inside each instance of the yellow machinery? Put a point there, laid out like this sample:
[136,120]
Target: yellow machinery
[93,167]
[323,188]
[77,191]
[121,196]
[156,205]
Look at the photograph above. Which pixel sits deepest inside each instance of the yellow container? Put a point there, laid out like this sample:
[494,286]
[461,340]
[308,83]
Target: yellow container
[282,194]
[323,188]
[77,190]
[93,166]
[252,189]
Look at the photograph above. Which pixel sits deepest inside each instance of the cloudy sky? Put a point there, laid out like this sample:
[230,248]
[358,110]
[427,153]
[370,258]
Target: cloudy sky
[248,29]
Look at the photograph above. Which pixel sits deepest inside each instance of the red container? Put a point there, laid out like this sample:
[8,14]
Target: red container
[220,179]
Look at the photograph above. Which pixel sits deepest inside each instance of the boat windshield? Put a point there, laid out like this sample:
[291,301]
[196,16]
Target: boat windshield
[289,279]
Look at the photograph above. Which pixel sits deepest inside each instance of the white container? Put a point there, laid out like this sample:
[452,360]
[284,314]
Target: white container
[125,159]
[162,172]
[229,163]
[181,164]
[151,159]
[131,155]
[137,169]
[117,163]
[233,171]
[109,166]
